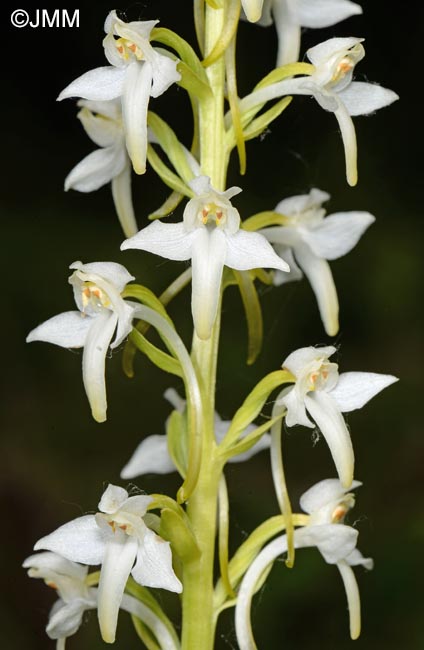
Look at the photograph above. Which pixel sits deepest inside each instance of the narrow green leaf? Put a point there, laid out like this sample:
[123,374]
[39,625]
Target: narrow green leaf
[199,23]
[145,634]
[170,144]
[229,30]
[161,359]
[191,82]
[285,71]
[230,65]
[259,124]
[167,207]
[253,311]
[264,219]
[177,435]
[146,297]
[176,530]
[251,439]
[183,49]
[253,404]
[146,597]
[169,178]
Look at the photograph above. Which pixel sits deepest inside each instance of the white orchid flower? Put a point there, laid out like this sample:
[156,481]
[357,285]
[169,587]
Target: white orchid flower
[323,394]
[210,235]
[75,597]
[102,312]
[102,122]
[152,455]
[332,86]
[119,540]
[314,239]
[327,502]
[252,9]
[137,72]
[290,16]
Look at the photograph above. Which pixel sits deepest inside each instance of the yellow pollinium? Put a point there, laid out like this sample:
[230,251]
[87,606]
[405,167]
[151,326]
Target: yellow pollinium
[212,212]
[93,296]
[128,49]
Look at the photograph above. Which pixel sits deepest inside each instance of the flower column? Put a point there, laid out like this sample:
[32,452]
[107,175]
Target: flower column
[198,624]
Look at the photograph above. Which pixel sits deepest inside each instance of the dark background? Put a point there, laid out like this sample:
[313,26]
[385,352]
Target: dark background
[56,460]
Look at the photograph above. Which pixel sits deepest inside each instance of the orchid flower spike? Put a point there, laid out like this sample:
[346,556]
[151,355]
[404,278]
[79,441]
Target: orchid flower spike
[102,312]
[332,86]
[327,503]
[152,455]
[321,393]
[290,16]
[102,122]
[137,72]
[210,235]
[118,539]
[75,597]
[314,239]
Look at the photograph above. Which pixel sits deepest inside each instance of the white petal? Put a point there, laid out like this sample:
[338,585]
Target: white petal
[41,563]
[299,359]
[104,130]
[252,9]
[356,558]
[113,272]
[94,359]
[283,235]
[99,84]
[96,169]
[66,619]
[321,280]
[135,102]
[323,493]
[154,564]
[250,250]
[362,98]
[201,185]
[121,192]
[295,272]
[112,499]
[80,540]
[208,256]
[302,202]
[136,505]
[170,240]
[69,330]
[150,457]
[353,598]
[165,73]
[334,541]
[325,411]
[120,553]
[324,13]
[337,234]
[110,109]
[319,54]
[295,405]
[355,389]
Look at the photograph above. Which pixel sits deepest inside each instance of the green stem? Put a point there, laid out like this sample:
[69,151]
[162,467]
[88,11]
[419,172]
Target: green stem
[198,619]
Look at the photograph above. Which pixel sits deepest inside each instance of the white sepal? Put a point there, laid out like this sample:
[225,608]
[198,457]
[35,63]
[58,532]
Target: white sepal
[69,330]
[80,540]
[151,456]
[170,240]
[355,389]
[96,169]
[363,98]
[100,84]
[337,234]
